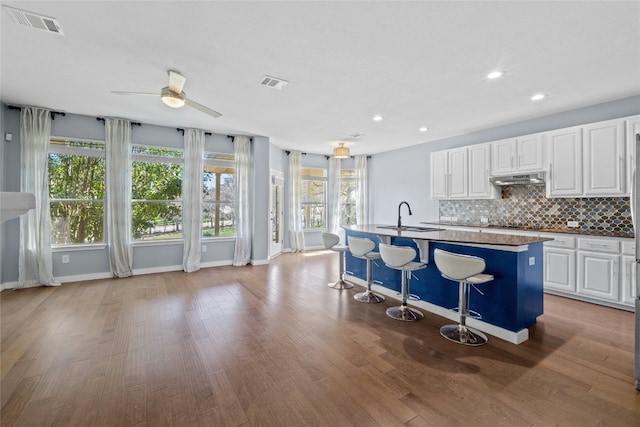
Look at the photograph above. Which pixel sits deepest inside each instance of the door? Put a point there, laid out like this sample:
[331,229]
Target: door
[458,173]
[560,269]
[565,163]
[530,153]
[277,214]
[479,160]
[439,175]
[604,159]
[503,155]
[598,275]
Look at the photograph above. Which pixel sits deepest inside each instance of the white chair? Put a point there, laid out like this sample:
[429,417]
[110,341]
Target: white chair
[401,258]
[466,270]
[362,248]
[331,241]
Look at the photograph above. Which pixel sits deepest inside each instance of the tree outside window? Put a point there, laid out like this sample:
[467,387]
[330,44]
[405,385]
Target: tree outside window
[218,195]
[314,199]
[156,193]
[347,197]
[76,190]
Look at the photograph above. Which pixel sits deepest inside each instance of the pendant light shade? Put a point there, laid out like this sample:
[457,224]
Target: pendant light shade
[341,152]
[172,99]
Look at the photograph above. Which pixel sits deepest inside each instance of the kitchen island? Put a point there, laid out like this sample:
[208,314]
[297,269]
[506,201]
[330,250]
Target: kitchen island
[508,305]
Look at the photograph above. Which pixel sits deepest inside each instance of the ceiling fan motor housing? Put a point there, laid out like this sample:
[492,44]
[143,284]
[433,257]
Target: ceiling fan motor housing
[172,99]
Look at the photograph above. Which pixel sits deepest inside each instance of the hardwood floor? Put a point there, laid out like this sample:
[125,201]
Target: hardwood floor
[273,345]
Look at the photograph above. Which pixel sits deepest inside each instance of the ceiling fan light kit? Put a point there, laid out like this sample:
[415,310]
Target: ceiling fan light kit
[341,152]
[171,98]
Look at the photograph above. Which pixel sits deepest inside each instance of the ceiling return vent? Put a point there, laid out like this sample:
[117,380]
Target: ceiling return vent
[273,82]
[33,20]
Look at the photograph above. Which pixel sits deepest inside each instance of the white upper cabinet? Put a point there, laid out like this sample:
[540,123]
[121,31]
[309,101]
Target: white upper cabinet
[604,159]
[522,154]
[565,162]
[479,165]
[632,128]
[449,174]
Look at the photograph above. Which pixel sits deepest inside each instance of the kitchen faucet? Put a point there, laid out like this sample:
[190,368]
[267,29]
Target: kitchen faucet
[399,218]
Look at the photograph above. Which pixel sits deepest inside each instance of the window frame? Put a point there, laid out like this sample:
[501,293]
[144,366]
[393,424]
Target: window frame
[351,180]
[209,159]
[324,180]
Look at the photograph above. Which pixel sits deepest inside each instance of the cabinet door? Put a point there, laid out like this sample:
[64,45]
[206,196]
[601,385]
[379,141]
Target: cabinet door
[633,128]
[458,174]
[598,275]
[439,175]
[479,160]
[503,157]
[565,163]
[604,159]
[560,269]
[530,153]
[628,280]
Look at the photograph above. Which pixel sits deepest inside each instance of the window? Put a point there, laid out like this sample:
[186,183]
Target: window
[76,190]
[156,193]
[347,197]
[218,192]
[314,200]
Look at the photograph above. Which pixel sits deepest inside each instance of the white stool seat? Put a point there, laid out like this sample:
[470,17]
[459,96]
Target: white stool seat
[402,258]
[363,248]
[331,241]
[466,270]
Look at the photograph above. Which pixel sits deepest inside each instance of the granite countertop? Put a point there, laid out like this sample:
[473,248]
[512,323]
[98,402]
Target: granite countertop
[577,231]
[452,236]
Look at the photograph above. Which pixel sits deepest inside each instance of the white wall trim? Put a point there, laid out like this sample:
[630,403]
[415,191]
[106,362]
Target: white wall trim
[215,263]
[84,277]
[163,269]
[259,261]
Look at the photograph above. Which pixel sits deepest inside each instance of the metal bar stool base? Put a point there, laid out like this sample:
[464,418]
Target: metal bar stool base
[341,284]
[368,297]
[404,313]
[463,335]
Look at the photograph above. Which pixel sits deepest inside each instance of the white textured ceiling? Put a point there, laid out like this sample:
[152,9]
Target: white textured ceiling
[415,63]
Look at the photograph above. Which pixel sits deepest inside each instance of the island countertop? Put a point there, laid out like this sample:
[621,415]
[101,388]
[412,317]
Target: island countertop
[450,236]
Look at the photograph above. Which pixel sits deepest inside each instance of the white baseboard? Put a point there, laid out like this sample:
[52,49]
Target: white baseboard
[163,269]
[259,261]
[83,277]
[215,264]
[505,334]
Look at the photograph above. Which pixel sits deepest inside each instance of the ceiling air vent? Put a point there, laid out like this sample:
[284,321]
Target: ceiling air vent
[273,82]
[33,20]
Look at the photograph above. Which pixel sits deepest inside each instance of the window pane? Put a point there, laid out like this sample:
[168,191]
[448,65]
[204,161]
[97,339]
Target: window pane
[347,202]
[156,181]
[77,222]
[313,191]
[76,177]
[156,220]
[218,208]
[313,215]
[154,151]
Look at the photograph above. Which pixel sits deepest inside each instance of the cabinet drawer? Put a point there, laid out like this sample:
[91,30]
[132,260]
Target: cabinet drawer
[598,245]
[560,241]
[629,247]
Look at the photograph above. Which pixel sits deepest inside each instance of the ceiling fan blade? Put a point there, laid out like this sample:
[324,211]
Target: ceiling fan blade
[176,81]
[120,92]
[206,110]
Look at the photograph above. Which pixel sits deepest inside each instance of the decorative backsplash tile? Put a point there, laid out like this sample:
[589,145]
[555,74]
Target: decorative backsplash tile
[527,206]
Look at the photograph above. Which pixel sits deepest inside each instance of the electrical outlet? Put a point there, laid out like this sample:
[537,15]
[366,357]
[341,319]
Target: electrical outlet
[573,224]
[454,219]
[204,248]
[445,218]
[65,259]
[484,220]
[532,260]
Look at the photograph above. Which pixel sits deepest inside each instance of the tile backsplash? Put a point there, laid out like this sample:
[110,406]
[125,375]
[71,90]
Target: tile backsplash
[527,206]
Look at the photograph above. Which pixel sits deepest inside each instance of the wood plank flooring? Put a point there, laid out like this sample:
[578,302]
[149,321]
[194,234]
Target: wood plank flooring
[274,346]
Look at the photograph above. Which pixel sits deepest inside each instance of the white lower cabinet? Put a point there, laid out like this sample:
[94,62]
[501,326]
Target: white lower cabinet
[560,269]
[628,279]
[598,275]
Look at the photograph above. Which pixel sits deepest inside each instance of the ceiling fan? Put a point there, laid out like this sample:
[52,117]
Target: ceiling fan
[173,96]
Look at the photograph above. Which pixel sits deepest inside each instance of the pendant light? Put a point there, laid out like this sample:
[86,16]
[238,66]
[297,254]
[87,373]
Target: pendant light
[341,152]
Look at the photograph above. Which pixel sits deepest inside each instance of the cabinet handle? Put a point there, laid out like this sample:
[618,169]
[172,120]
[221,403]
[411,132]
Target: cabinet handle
[550,170]
[511,162]
[520,161]
[621,171]
[615,269]
[599,245]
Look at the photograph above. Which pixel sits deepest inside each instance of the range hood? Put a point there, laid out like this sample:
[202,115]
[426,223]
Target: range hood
[536,178]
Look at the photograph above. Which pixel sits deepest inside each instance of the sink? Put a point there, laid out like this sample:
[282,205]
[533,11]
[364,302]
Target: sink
[408,228]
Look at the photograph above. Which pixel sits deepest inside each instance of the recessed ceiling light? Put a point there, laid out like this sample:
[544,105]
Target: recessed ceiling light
[377,118]
[423,129]
[537,97]
[495,74]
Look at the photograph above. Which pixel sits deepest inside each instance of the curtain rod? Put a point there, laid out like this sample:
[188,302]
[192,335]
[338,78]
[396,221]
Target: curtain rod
[53,113]
[233,138]
[289,152]
[101,119]
[182,130]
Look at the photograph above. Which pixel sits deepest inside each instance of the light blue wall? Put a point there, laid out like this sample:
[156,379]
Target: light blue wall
[145,257]
[404,174]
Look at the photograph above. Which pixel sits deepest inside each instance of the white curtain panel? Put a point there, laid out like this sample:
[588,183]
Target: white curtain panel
[34,260]
[242,252]
[118,139]
[296,231]
[333,195]
[192,199]
[362,201]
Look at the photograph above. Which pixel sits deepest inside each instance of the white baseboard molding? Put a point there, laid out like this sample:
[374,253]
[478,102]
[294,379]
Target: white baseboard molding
[505,334]
[152,270]
[259,261]
[84,277]
[215,264]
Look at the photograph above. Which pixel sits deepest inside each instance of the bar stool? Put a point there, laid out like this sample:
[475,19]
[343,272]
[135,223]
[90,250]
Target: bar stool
[401,258]
[363,249]
[466,270]
[331,241]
